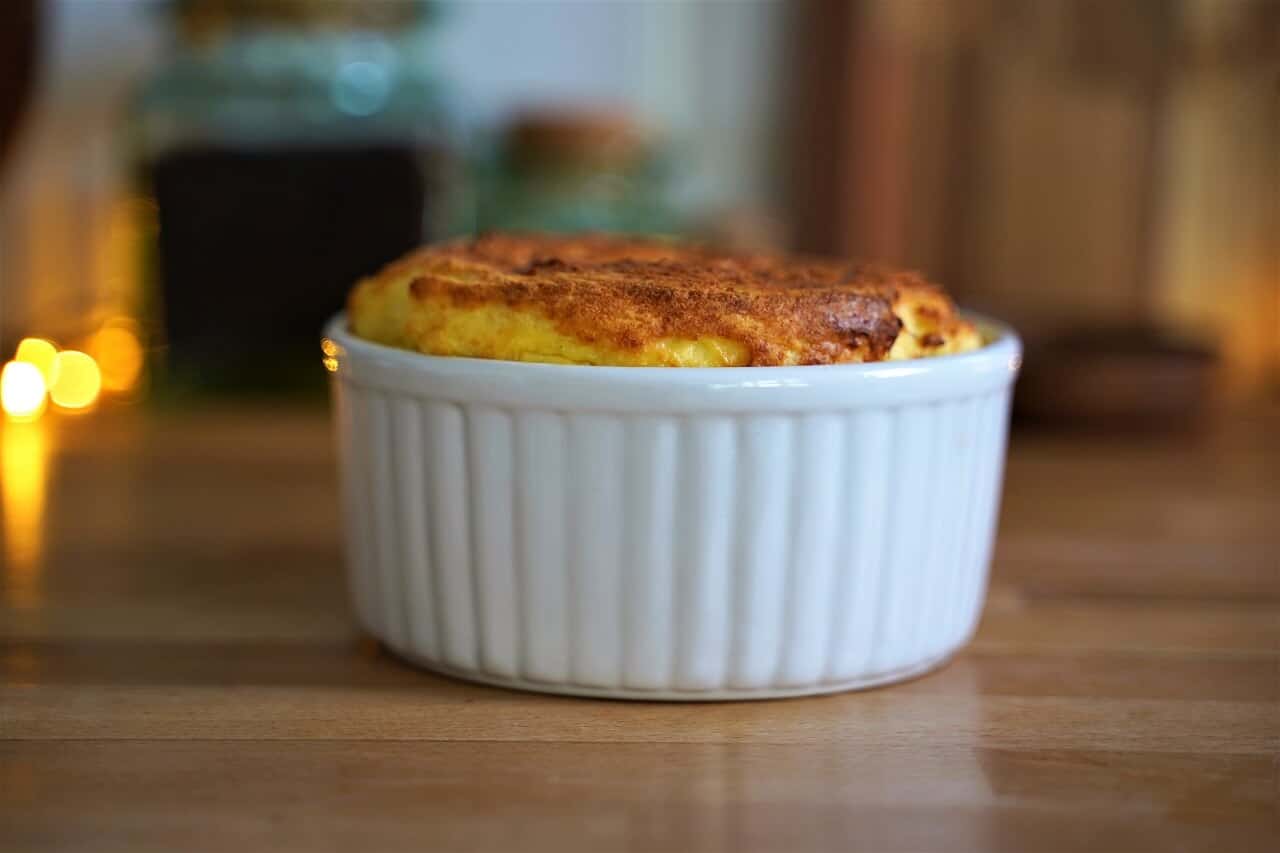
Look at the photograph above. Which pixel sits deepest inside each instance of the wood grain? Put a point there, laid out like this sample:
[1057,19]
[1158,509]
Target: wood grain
[178,670]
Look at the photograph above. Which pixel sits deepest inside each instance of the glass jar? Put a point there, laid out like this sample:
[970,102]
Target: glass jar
[290,146]
[576,170]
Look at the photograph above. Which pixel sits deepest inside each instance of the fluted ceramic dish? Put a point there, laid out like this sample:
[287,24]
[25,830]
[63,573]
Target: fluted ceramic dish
[671,533]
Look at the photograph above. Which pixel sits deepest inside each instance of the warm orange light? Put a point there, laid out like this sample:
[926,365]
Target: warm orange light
[24,458]
[328,347]
[22,391]
[331,364]
[77,381]
[118,352]
[43,354]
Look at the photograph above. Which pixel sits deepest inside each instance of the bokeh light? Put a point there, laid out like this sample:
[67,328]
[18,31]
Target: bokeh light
[118,352]
[24,462]
[22,391]
[330,350]
[41,353]
[77,381]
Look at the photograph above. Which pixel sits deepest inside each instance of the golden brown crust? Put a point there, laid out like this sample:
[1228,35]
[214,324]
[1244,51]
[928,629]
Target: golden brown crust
[625,294]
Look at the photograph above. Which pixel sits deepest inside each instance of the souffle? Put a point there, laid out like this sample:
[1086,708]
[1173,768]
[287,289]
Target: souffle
[629,302]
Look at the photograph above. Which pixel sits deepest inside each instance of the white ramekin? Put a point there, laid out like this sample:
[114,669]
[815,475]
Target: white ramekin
[670,533]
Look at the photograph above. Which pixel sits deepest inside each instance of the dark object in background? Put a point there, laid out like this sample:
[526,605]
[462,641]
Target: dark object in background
[19,42]
[258,247]
[291,146]
[1135,379]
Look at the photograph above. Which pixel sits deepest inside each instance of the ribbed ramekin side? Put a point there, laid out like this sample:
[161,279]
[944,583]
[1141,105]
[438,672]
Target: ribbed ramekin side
[674,553]
[981,529]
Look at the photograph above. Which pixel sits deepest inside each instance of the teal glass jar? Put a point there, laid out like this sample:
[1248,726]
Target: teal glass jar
[290,147]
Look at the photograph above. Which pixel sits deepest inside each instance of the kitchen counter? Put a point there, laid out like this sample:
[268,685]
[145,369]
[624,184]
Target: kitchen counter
[179,671]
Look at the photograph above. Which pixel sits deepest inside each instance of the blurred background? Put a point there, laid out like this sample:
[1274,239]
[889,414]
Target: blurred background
[187,189]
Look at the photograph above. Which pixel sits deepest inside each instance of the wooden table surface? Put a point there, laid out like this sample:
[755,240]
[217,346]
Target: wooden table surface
[179,671]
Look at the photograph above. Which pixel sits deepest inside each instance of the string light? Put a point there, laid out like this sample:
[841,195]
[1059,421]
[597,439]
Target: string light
[41,353]
[22,391]
[118,352]
[77,381]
